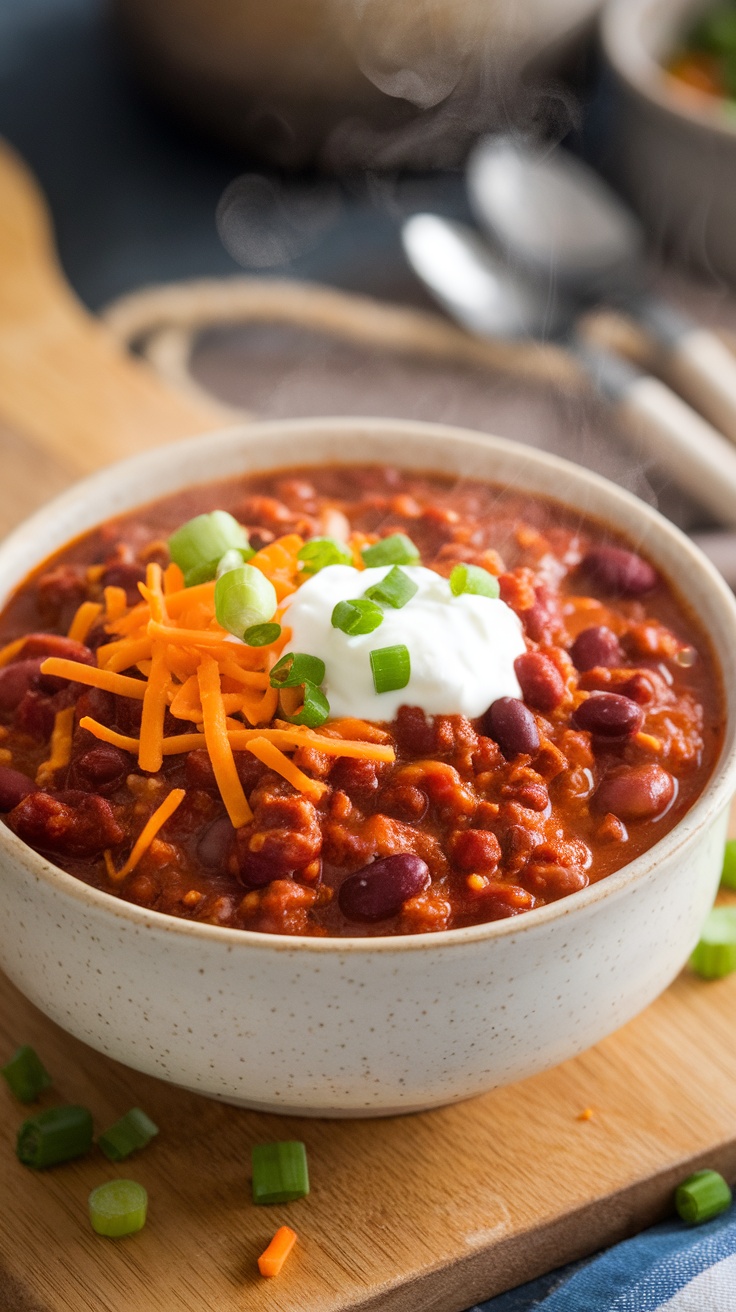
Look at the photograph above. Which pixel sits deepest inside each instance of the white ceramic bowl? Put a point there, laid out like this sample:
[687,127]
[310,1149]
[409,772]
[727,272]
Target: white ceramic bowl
[672,152]
[364,1027]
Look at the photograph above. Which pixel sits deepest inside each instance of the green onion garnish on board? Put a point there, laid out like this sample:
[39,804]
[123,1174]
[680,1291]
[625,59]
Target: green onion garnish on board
[25,1074]
[473,579]
[728,873]
[391,668]
[244,597]
[357,616]
[57,1135]
[701,1197]
[315,709]
[397,549]
[261,635]
[280,1173]
[118,1208]
[199,545]
[131,1132]
[296,668]
[715,954]
[318,553]
[395,590]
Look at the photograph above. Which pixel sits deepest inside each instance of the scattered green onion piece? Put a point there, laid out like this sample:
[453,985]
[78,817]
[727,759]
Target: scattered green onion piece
[395,590]
[318,553]
[200,574]
[232,559]
[358,616]
[316,708]
[25,1074]
[715,954]
[473,579]
[296,668]
[280,1172]
[54,1136]
[202,542]
[244,597]
[132,1131]
[397,549]
[118,1208]
[261,635]
[391,668]
[701,1197]
[728,874]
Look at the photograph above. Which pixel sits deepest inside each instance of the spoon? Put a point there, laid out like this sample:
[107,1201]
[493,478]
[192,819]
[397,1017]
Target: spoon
[486,297]
[555,219]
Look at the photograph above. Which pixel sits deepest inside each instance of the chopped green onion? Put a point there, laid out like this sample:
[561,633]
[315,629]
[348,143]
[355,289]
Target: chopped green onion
[397,549]
[391,668]
[262,635]
[395,590]
[132,1131]
[244,597]
[318,553]
[728,874]
[54,1136]
[358,616]
[296,668]
[280,1172]
[25,1074]
[118,1208]
[316,708]
[715,954]
[200,543]
[232,559]
[473,579]
[701,1197]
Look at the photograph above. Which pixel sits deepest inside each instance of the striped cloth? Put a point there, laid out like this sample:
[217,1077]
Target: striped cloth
[671,1268]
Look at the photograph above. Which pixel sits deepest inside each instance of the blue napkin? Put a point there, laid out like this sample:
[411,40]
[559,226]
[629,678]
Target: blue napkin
[670,1268]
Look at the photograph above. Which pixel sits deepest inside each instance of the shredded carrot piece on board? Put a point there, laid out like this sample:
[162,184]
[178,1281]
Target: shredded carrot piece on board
[147,835]
[116,602]
[218,745]
[272,1259]
[60,747]
[274,758]
[173,579]
[95,677]
[83,620]
[157,686]
[118,656]
[240,738]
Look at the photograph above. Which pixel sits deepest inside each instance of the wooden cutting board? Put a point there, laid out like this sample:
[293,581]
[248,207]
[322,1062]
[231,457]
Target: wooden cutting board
[408,1214]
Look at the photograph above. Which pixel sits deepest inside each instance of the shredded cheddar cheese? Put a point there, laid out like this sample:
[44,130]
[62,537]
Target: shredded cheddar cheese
[194,670]
[147,835]
[83,620]
[60,747]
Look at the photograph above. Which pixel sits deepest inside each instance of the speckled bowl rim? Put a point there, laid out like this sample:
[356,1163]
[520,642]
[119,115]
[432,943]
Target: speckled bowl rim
[716,795]
[629,57]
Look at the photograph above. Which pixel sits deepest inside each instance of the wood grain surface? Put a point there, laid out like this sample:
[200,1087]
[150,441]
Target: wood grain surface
[429,1212]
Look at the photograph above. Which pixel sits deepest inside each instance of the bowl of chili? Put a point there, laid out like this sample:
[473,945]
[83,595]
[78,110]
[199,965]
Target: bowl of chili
[349,911]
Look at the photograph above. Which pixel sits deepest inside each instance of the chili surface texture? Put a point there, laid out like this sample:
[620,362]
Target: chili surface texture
[618,731]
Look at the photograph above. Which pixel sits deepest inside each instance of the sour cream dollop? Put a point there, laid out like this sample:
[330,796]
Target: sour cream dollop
[462,649]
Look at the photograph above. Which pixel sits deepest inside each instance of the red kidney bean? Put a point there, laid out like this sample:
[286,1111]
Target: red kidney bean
[538,618]
[126,576]
[35,715]
[53,644]
[254,869]
[215,843]
[414,733]
[474,849]
[637,793]
[542,685]
[620,572]
[597,645]
[199,772]
[609,715]
[511,724]
[379,890]
[71,823]
[18,679]
[103,768]
[14,786]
